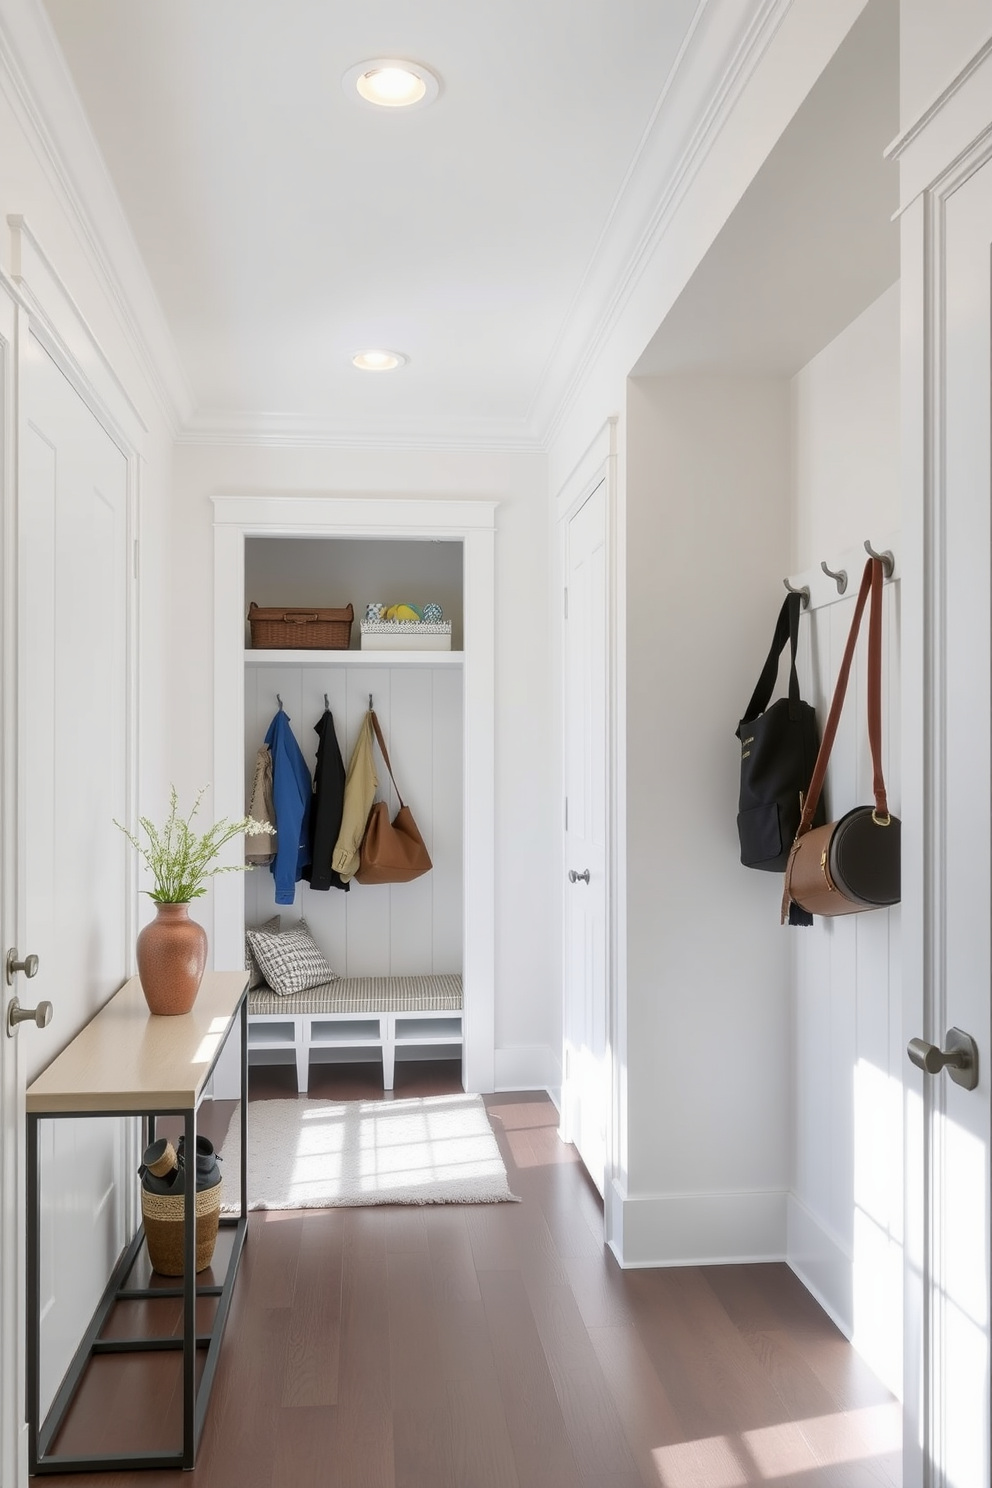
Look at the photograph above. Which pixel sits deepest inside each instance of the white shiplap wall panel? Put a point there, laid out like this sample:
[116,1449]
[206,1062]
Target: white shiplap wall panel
[376,929]
[848,1157]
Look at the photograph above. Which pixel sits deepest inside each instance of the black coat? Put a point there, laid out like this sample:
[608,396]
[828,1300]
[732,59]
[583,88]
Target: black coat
[326,807]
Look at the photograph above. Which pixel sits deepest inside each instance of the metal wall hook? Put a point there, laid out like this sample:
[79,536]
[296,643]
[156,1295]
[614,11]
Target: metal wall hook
[279,701]
[886,559]
[803,592]
[327,706]
[370,702]
[839,578]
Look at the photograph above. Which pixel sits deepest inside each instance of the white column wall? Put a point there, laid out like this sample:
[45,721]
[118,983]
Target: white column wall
[707,1052]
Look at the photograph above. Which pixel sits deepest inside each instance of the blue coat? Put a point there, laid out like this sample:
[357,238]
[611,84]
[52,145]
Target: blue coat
[291,792]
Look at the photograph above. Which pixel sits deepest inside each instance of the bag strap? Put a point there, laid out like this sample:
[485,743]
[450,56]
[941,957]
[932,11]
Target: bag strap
[786,629]
[382,745]
[871,584]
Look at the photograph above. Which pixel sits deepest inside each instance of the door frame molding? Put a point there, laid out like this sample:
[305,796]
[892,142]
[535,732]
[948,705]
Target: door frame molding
[471,522]
[601,462]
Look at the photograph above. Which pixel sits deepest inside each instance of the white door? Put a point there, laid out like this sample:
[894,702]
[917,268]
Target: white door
[65,779]
[949,1239]
[586,1075]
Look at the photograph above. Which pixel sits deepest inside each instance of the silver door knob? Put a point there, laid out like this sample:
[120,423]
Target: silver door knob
[959,1057]
[582,877]
[29,966]
[41,1015]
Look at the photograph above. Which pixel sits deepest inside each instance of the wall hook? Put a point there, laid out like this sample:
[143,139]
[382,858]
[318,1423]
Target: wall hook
[370,702]
[327,706]
[803,592]
[839,578]
[886,559]
[279,701]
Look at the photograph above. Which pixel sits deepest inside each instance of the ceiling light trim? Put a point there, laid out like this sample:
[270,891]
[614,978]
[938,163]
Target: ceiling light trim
[363,74]
[379,359]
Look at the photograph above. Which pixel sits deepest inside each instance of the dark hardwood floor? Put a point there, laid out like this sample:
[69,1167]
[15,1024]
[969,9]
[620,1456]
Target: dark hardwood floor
[497,1346]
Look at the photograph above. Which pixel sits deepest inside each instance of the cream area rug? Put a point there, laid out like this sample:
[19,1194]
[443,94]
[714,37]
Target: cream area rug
[311,1154]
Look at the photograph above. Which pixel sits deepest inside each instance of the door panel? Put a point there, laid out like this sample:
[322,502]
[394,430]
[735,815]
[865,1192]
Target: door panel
[71,861]
[586,1080]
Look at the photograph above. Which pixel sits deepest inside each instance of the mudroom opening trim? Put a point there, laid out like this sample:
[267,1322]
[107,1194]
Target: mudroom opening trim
[237,518]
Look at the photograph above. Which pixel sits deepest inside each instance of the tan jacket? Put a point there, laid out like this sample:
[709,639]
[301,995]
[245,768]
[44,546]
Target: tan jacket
[359,793]
[260,848]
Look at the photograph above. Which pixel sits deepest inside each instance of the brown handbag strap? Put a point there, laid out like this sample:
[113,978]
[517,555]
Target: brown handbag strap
[382,745]
[871,584]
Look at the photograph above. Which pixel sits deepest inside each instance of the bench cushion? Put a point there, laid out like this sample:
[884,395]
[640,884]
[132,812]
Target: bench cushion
[395,994]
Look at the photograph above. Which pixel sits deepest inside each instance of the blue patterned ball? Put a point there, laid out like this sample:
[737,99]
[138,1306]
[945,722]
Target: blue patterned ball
[433,612]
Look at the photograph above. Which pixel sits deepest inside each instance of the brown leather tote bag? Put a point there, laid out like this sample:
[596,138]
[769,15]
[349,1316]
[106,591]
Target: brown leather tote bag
[391,851]
[852,864]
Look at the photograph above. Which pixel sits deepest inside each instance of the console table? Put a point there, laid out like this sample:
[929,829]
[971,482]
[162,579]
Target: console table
[127,1062]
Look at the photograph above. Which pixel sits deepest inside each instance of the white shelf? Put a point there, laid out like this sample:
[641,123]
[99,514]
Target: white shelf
[301,657]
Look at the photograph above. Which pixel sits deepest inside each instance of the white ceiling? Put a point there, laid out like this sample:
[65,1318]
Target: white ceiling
[284,227]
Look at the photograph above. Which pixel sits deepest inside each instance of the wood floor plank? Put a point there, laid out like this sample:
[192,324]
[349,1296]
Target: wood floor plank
[465,1346]
[314,1336]
[364,1364]
[422,1448]
[481,1451]
[416,1368]
[530,1402]
[306,1444]
[452,1261]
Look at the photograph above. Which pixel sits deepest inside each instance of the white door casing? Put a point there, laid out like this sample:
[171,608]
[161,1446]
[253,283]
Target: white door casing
[472,523]
[947,248]
[586,1076]
[13,1442]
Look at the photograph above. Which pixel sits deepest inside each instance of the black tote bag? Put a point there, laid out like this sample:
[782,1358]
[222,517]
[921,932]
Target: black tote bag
[779,746]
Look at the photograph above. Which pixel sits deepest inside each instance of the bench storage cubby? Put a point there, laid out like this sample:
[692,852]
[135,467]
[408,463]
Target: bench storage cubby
[344,1017]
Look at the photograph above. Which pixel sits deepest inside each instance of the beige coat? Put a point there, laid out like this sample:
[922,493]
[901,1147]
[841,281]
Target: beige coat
[359,793]
[260,848]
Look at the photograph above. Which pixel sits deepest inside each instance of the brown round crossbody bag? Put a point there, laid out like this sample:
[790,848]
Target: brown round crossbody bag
[854,863]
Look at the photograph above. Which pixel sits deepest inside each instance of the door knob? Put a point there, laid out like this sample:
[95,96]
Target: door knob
[29,965]
[959,1058]
[574,877]
[41,1015]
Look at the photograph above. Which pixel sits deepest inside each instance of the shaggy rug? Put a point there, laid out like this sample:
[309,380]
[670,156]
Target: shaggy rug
[311,1154]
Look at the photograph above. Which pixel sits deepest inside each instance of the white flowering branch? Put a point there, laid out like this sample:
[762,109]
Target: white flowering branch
[179,858]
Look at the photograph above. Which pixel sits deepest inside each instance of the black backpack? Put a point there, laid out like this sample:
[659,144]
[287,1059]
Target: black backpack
[779,746]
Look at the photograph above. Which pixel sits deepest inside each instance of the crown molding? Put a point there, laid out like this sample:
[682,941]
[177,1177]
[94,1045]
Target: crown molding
[696,101]
[293,431]
[39,88]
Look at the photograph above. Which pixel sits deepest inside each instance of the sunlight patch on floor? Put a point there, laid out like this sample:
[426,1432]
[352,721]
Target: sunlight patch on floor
[776,1454]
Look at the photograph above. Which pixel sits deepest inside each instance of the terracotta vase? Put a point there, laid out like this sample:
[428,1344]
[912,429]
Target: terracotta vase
[172,952]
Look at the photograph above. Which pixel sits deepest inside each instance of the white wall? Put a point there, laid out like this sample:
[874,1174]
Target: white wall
[935,43]
[707,1051]
[845,1211]
[846,439]
[528,1011]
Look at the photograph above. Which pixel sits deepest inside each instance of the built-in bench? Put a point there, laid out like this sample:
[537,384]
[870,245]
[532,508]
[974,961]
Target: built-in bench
[415,1014]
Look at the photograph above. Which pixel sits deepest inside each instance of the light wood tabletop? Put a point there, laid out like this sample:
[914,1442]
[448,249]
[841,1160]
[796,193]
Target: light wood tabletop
[128,1059]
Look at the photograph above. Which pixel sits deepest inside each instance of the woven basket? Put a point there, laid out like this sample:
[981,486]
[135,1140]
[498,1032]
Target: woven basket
[300,630]
[163,1216]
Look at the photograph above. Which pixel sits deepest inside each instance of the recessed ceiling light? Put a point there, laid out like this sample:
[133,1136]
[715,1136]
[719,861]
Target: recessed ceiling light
[379,361]
[391,82]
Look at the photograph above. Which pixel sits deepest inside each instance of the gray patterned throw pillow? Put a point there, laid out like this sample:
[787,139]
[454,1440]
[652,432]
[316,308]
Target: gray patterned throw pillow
[290,959]
[256,977]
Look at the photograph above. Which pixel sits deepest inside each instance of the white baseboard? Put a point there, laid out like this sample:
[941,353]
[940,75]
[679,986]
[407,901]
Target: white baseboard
[822,1263]
[695,1229]
[527,1067]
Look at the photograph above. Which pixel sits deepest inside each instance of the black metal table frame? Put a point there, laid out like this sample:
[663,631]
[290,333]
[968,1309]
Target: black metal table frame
[41,1434]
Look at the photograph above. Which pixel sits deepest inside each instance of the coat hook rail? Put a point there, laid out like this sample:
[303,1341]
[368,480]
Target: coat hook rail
[839,578]
[803,592]
[886,559]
